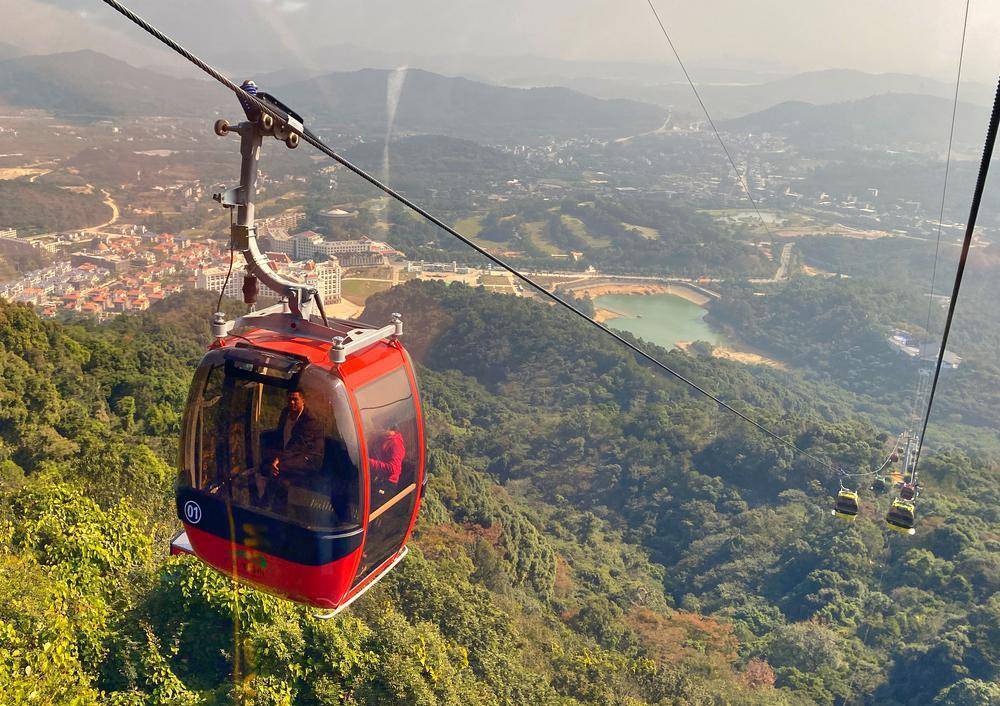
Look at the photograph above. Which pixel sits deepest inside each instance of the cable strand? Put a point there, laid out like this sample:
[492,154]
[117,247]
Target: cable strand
[977,197]
[229,273]
[741,178]
[917,400]
[316,142]
[947,166]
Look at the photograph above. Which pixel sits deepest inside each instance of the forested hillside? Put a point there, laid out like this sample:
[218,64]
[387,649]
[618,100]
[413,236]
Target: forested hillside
[593,534]
[40,208]
[604,231]
[837,331]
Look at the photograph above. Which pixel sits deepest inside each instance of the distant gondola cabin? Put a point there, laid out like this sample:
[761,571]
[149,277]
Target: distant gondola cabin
[301,475]
[846,504]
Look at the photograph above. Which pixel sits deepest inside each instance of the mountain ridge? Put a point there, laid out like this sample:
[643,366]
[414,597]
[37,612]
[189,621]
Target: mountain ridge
[88,83]
[898,120]
[824,86]
[429,102]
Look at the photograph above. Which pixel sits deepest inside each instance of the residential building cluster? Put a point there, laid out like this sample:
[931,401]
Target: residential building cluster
[125,268]
[324,276]
[117,274]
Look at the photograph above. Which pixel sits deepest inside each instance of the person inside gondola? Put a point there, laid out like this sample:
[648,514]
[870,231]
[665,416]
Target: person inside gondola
[386,463]
[301,449]
[296,445]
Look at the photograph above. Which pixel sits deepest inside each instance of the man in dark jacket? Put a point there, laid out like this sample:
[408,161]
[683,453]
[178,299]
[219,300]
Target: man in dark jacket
[300,439]
[297,444]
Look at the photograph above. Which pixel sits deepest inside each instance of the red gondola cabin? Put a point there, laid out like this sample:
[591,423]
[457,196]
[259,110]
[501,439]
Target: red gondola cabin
[302,457]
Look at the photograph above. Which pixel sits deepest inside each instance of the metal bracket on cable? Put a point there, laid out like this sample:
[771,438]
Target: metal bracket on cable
[243,234]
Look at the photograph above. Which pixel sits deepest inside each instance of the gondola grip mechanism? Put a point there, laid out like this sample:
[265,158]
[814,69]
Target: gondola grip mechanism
[220,326]
[338,352]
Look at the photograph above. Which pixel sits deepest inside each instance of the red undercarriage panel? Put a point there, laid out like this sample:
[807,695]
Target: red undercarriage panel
[324,586]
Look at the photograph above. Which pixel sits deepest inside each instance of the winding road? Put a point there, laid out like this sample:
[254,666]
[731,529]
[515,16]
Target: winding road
[115,212]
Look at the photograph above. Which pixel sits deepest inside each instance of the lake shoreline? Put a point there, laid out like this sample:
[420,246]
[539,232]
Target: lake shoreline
[603,314]
[739,353]
[657,313]
[725,344]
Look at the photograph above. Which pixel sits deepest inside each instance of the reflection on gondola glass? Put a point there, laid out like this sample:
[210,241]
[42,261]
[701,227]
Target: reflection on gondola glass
[389,417]
[274,442]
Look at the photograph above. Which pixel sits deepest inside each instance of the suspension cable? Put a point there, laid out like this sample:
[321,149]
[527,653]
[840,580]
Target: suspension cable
[977,197]
[919,395]
[947,167]
[229,273]
[316,142]
[741,178]
[877,471]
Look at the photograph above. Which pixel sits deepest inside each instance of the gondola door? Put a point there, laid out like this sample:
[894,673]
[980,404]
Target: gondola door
[390,419]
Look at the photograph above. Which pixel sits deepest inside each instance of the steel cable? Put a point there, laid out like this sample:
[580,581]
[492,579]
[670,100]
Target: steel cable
[316,142]
[947,167]
[977,197]
[742,179]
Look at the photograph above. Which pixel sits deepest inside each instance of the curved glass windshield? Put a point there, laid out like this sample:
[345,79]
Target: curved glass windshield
[389,418]
[275,435]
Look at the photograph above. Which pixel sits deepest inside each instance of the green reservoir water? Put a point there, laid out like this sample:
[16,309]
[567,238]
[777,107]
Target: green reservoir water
[663,319]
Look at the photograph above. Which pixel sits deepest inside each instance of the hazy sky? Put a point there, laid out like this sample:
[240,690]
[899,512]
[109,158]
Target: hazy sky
[912,36]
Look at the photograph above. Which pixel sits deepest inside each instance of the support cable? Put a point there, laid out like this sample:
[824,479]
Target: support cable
[977,197]
[704,109]
[229,273]
[877,471]
[918,401]
[316,142]
[947,167]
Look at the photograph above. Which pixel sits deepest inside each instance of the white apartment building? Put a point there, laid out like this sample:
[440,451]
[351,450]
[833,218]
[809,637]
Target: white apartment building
[278,241]
[213,279]
[363,252]
[288,219]
[324,276]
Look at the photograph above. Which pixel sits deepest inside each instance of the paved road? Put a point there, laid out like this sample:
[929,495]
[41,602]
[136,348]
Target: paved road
[782,274]
[115,213]
[786,257]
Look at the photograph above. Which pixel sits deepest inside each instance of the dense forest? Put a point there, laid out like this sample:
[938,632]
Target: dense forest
[40,208]
[604,231]
[593,534]
[837,330]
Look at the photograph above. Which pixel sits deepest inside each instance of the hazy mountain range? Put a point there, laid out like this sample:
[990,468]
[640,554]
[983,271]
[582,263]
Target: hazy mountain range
[822,108]
[420,101]
[729,92]
[9,51]
[727,100]
[90,84]
[525,70]
[893,120]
